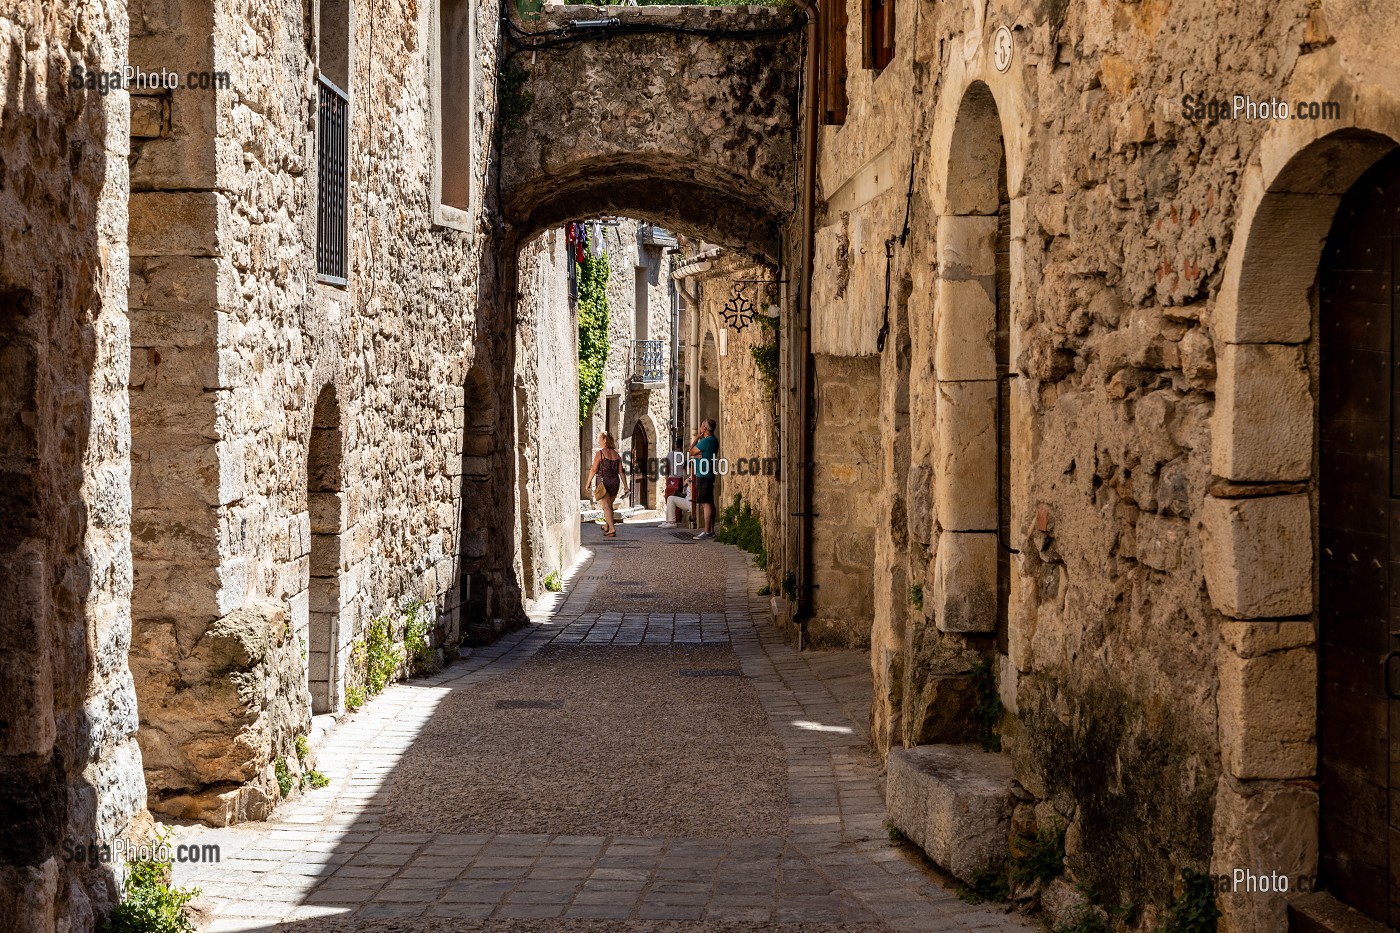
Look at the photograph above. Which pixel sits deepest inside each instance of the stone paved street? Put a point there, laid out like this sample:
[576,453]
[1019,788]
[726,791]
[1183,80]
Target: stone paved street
[408,835]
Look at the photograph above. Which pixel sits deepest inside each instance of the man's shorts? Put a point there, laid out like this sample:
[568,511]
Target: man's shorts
[704,490]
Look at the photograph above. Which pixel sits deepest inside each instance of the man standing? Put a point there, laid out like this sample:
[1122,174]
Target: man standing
[705,450]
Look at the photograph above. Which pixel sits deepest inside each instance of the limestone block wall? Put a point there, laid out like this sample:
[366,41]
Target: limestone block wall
[308,456]
[70,770]
[546,411]
[1132,397]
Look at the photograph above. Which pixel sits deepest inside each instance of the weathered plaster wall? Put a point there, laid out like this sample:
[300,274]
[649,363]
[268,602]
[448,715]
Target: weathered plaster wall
[70,771]
[1122,215]
[412,349]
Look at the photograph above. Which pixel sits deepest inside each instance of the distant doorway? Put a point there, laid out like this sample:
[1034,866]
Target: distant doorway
[641,453]
[325,502]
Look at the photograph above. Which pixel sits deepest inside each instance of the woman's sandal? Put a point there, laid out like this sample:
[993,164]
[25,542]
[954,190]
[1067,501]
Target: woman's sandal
[610,534]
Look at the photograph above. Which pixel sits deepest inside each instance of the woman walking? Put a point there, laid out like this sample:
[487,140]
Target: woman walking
[607,470]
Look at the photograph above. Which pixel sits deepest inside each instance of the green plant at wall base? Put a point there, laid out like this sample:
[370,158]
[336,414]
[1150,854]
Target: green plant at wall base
[988,884]
[1087,919]
[765,590]
[989,710]
[354,698]
[380,656]
[1043,861]
[417,615]
[513,100]
[592,331]
[916,596]
[315,779]
[284,776]
[740,526]
[302,748]
[790,586]
[552,584]
[1193,910]
[149,904]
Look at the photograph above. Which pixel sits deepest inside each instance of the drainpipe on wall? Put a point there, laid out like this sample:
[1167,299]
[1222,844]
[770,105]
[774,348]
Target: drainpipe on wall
[804,374]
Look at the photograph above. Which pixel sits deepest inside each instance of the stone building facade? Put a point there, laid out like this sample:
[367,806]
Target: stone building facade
[1091,319]
[637,402]
[1064,427]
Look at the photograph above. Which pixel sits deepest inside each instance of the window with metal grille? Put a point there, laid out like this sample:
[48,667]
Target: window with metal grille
[879,33]
[833,71]
[332,196]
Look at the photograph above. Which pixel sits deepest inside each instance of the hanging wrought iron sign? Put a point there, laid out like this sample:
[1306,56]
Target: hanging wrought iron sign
[739,310]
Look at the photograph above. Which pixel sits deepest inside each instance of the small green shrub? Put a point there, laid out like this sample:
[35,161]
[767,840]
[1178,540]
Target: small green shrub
[1087,919]
[1193,910]
[891,830]
[916,596]
[552,582]
[989,884]
[284,775]
[354,698]
[515,101]
[989,710]
[302,748]
[1043,861]
[765,590]
[417,617]
[314,778]
[381,656]
[149,904]
[741,526]
[790,586]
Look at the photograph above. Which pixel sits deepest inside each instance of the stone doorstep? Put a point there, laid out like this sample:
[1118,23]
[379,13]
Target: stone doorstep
[1320,912]
[954,802]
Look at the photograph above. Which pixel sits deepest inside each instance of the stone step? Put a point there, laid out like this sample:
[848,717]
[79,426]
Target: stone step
[954,802]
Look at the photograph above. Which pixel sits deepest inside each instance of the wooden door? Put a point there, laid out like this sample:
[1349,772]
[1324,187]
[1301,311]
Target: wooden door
[1359,519]
[641,453]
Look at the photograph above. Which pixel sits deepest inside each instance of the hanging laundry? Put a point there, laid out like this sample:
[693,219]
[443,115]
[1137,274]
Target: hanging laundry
[595,240]
[580,239]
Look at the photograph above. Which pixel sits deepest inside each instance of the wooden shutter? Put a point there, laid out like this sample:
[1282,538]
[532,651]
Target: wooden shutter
[879,33]
[833,71]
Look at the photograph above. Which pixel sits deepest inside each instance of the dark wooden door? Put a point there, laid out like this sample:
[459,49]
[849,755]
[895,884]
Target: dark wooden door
[1359,518]
[641,453]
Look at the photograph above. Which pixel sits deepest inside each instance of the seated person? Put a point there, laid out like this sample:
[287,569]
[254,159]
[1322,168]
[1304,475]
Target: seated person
[675,502]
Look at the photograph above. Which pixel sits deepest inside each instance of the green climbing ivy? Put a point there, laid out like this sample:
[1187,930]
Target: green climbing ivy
[592,331]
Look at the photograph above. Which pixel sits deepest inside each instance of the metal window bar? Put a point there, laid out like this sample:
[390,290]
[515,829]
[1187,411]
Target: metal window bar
[332,196]
[649,361]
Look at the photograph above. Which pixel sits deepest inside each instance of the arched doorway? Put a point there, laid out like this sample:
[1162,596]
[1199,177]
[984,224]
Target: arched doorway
[326,503]
[641,453]
[1358,501]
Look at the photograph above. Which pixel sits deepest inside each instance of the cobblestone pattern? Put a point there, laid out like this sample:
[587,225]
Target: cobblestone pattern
[326,857]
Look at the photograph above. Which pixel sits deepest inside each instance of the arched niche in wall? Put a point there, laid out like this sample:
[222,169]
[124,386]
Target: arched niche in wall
[325,499]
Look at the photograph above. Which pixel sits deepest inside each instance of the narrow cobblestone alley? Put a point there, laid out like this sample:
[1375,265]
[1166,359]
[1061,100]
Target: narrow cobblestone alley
[602,769]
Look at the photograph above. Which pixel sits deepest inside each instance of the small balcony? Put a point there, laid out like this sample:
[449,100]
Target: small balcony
[648,362]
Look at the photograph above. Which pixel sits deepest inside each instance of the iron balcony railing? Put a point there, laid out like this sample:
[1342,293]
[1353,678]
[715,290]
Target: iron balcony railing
[332,197]
[649,361]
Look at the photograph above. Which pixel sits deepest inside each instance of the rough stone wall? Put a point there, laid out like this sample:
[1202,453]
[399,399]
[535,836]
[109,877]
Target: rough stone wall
[70,771]
[546,408]
[1121,217]
[412,351]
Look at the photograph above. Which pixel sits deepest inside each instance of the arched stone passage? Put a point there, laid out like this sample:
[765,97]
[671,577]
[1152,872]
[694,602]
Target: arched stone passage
[325,499]
[973,457]
[684,116]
